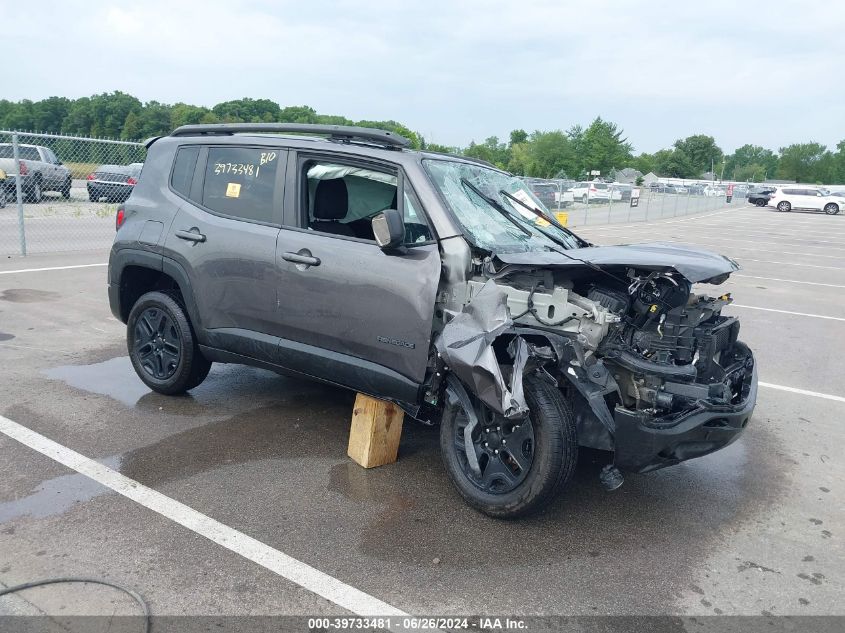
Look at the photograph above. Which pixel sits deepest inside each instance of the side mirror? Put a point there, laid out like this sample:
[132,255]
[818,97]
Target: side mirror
[389,229]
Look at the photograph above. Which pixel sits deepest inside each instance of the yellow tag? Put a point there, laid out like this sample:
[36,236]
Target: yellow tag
[562,217]
[653,308]
[726,297]
[233,190]
[542,222]
[2,175]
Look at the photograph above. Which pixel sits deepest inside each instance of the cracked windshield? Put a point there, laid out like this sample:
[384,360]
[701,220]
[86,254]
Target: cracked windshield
[498,220]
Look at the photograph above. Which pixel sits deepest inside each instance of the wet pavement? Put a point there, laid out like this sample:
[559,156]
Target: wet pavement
[753,529]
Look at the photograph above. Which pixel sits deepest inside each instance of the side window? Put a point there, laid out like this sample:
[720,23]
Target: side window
[416,227]
[183,169]
[240,182]
[342,199]
[29,153]
[51,157]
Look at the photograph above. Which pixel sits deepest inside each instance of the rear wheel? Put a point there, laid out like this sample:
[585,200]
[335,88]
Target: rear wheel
[585,199]
[760,203]
[831,208]
[784,206]
[162,346]
[523,462]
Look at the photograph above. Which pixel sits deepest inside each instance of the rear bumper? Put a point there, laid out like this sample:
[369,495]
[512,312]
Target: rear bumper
[643,444]
[109,189]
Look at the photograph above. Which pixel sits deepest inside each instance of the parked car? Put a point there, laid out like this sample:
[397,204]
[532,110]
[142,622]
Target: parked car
[520,339]
[41,171]
[546,192]
[623,189]
[2,188]
[113,182]
[696,190]
[662,187]
[593,191]
[760,196]
[681,189]
[807,198]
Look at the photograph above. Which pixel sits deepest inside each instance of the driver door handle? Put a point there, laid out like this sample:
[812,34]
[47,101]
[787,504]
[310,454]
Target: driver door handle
[298,258]
[192,236]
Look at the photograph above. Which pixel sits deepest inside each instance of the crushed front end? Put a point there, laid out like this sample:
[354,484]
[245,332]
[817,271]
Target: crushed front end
[653,371]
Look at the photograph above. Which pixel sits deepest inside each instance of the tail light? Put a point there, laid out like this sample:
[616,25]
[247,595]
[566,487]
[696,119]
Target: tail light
[120,217]
[24,169]
[91,176]
[593,189]
[131,181]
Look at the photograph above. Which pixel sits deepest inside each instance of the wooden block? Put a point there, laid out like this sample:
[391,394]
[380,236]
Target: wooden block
[376,429]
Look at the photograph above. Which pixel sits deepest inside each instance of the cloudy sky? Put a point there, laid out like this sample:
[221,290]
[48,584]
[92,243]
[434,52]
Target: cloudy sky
[769,73]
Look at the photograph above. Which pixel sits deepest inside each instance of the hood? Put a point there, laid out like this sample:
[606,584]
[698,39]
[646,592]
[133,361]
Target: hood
[695,264]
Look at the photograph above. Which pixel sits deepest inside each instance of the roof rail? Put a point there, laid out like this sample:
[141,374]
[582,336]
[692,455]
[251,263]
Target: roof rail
[345,133]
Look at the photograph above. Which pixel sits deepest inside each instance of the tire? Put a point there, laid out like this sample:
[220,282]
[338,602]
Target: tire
[831,208]
[585,199]
[784,206]
[34,193]
[162,345]
[554,453]
[760,203]
[65,190]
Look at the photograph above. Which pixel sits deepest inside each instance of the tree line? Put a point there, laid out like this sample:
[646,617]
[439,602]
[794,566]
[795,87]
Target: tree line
[572,153]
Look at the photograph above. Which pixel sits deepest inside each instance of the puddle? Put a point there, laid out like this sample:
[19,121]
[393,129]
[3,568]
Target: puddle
[114,378]
[56,496]
[6,337]
[26,295]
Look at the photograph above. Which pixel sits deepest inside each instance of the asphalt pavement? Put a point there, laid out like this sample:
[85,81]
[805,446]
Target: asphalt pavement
[755,529]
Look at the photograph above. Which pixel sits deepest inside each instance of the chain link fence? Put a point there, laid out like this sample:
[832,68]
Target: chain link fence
[584,203]
[60,193]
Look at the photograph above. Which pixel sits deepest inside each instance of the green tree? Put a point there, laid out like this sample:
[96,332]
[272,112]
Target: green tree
[550,153]
[518,136]
[247,110]
[673,163]
[698,153]
[490,150]
[802,162]
[747,156]
[601,147]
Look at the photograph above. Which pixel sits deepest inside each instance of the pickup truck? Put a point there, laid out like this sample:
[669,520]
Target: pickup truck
[41,171]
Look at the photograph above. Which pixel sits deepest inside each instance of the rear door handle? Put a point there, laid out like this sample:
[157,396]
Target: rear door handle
[193,235]
[302,259]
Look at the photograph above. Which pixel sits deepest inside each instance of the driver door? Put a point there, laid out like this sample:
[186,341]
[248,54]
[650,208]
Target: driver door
[361,317]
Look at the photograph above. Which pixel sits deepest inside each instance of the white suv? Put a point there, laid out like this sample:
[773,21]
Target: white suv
[592,191]
[788,198]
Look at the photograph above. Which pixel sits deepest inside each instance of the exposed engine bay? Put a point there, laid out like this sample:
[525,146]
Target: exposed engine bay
[633,347]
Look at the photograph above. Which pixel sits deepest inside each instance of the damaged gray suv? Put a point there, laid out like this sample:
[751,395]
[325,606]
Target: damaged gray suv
[437,282]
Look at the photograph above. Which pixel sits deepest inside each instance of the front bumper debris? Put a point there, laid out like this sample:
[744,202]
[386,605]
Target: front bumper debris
[643,443]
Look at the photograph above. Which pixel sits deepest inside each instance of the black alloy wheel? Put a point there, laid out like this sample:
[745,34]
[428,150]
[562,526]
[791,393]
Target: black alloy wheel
[157,343]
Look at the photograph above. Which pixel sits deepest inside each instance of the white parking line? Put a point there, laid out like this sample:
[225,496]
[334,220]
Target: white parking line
[803,314]
[791,281]
[803,392]
[769,261]
[304,575]
[38,270]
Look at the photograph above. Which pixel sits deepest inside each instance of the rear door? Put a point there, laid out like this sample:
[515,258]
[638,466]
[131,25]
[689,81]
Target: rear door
[362,315]
[224,235]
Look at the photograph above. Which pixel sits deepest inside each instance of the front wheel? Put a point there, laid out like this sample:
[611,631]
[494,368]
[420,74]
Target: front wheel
[523,463]
[34,193]
[65,191]
[831,208]
[585,199]
[162,346]
[784,206]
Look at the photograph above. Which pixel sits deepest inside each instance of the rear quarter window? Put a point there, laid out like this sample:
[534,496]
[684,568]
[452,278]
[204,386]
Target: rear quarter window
[183,169]
[240,182]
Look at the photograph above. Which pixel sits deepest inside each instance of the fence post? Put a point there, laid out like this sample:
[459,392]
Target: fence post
[19,193]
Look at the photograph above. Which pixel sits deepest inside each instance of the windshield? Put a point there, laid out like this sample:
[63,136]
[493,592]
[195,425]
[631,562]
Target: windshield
[483,224]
